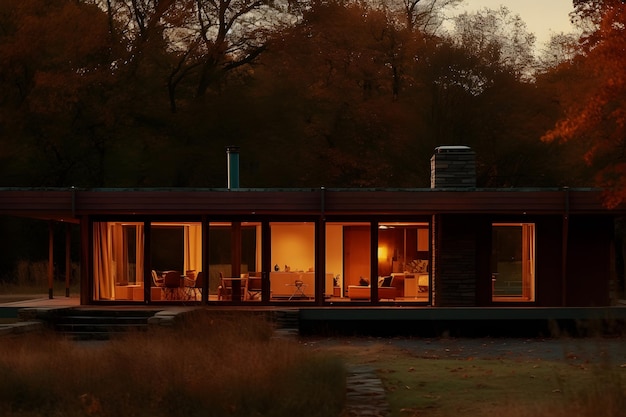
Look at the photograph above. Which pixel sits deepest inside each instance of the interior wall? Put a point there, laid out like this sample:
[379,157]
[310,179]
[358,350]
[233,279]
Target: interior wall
[356,253]
[293,245]
[334,249]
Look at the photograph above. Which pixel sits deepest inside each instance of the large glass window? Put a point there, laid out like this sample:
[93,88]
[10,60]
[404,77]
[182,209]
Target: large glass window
[229,244]
[403,261]
[348,263]
[513,262]
[293,258]
[118,261]
[402,272]
[176,259]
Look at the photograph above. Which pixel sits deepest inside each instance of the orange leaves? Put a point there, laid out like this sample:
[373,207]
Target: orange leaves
[599,116]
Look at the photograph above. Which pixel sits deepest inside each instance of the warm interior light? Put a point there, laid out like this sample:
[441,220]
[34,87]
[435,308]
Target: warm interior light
[382,252]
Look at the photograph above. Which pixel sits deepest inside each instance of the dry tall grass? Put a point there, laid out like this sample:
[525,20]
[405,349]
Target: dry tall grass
[210,365]
[31,277]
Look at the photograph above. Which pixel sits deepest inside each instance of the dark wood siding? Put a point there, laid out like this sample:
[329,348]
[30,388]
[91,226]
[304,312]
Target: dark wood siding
[43,204]
[549,260]
[589,261]
[190,202]
[60,203]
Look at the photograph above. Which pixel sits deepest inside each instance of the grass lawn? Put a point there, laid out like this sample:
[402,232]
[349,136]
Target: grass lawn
[472,387]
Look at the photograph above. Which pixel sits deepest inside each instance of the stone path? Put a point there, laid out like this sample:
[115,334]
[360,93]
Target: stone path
[365,395]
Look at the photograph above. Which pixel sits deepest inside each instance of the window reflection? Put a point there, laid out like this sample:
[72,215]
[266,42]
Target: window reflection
[513,262]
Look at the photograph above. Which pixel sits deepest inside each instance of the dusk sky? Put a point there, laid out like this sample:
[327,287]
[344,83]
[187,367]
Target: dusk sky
[542,17]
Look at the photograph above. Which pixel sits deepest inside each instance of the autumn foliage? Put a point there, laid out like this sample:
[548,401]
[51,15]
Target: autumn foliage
[598,115]
[138,93]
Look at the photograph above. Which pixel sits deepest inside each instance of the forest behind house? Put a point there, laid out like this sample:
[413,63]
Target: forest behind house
[334,93]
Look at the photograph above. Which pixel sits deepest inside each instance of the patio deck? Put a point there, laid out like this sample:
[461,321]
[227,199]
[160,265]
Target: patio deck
[419,321]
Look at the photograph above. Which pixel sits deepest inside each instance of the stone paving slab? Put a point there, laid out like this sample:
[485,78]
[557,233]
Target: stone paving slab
[365,394]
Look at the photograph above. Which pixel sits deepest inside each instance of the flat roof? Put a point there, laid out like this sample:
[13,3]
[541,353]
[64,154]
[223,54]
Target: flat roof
[69,204]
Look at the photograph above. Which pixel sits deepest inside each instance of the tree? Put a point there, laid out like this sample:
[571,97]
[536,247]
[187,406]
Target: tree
[560,48]
[56,67]
[483,95]
[597,116]
[425,16]
[499,38]
[346,72]
[197,43]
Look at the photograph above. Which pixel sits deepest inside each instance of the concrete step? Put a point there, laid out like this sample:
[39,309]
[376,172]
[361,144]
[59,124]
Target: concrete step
[98,324]
[287,319]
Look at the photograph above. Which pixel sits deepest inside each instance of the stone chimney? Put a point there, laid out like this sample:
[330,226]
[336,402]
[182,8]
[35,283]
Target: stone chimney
[453,167]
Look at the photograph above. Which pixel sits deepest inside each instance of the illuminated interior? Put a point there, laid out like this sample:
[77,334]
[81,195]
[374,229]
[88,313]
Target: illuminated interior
[401,271]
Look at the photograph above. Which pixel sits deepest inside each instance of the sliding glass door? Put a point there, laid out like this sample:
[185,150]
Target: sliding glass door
[118,261]
[235,273]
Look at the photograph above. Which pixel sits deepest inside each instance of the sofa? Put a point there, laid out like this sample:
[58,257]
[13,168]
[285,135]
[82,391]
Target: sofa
[362,292]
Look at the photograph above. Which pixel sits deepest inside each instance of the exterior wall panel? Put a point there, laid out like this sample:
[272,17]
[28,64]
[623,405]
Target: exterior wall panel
[549,266]
[461,228]
[455,272]
[589,261]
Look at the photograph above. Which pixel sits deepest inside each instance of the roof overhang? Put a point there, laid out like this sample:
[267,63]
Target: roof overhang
[71,204]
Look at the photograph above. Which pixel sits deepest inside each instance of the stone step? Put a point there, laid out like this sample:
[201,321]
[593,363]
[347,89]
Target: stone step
[98,324]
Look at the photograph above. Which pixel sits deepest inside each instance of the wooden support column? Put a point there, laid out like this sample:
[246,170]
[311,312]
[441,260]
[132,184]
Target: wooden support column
[205,258]
[68,258]
[86,260]
[564,247]
[266,260]
[320,252]
[320,265]
[374,262]
[50,259]
[147,262]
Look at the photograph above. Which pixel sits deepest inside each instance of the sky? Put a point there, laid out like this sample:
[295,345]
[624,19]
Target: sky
[542,17]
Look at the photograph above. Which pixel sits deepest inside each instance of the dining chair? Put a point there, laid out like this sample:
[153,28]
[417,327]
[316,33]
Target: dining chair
[197,287]
[189,283]
[171,284]
[156,279]
[254,285]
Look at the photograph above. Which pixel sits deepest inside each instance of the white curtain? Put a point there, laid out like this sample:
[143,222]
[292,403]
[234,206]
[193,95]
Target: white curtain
[104,282]
[193,247]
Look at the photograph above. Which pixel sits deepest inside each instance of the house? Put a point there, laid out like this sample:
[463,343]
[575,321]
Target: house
[451,245]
